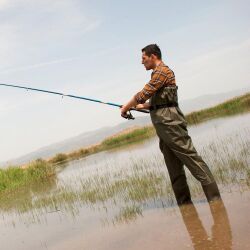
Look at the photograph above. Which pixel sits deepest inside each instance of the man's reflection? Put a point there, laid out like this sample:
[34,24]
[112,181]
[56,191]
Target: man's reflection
[221,231]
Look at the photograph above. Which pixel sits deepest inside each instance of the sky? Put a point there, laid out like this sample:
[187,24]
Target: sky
[93,49]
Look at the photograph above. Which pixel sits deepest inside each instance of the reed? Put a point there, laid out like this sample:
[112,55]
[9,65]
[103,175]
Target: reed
[135,135]
[15,177]
[233,106]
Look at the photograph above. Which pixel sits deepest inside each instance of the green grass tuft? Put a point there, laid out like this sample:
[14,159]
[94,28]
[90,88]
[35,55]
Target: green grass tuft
[13,178]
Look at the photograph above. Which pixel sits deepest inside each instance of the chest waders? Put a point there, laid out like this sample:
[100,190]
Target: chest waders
[177,146]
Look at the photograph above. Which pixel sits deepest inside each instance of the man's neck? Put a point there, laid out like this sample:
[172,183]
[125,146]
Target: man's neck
[157,64]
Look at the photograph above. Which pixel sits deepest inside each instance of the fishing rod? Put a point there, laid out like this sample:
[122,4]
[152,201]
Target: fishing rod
[129,115]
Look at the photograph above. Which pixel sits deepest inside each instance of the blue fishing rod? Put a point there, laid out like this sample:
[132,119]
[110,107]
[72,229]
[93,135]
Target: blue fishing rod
[129,116]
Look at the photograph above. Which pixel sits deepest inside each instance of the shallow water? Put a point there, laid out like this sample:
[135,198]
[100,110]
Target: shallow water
[224,226]
[60,215]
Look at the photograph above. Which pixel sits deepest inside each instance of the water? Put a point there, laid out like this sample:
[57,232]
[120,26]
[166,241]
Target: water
[90,205]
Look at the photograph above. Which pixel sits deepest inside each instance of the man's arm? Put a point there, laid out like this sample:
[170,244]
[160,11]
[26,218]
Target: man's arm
[143,106]
[133,104]
[158,78]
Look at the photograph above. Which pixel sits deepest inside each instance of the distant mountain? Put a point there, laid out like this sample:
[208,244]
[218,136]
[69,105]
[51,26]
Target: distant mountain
[96,136]
[77,142]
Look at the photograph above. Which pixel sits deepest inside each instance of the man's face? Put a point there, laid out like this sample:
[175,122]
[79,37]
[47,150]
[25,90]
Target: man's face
[148,61]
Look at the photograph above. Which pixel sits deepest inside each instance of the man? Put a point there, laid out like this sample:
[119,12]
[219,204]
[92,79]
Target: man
[171,128]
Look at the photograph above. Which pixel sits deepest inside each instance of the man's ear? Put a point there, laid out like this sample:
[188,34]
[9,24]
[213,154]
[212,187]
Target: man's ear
[153,57]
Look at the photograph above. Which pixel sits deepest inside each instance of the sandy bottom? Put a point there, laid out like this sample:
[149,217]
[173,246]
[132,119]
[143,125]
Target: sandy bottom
[222,225]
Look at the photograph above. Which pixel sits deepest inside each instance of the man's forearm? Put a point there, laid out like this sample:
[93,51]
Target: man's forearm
[145,105]
[130,104]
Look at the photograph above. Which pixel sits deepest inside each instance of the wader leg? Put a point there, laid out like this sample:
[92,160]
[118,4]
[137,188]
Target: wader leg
[177,175]
[211,191]
[175,135]
[177,138]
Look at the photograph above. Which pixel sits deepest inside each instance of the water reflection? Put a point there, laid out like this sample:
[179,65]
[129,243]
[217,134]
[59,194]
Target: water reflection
[221,235]
[18,207]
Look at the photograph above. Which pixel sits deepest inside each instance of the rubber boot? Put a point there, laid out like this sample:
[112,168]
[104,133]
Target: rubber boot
[182,195]
[211,191]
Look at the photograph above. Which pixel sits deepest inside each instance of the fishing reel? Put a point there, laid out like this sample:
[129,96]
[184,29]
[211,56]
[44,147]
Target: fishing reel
[128,116]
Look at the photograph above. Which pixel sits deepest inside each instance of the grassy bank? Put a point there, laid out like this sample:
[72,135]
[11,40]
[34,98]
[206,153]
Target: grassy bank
[233,106]
[127,138]
[118,140]
[14,178]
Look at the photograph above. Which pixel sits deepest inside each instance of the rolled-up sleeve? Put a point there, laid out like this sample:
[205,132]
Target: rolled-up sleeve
[158,79]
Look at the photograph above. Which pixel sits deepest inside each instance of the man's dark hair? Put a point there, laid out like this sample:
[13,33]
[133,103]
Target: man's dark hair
[152,49]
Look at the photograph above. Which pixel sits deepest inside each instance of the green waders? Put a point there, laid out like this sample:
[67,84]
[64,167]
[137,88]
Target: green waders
[177,147]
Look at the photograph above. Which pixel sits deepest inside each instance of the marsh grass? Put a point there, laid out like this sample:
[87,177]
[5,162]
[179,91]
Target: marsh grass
[128,213]
[231,107]
[229,159]
[122,139]
[127,138]
[14,178]
[59,158]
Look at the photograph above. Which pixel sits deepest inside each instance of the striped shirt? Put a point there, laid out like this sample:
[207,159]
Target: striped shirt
[161,76]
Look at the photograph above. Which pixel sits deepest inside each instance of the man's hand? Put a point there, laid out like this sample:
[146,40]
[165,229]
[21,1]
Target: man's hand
[125,108]
[124,111]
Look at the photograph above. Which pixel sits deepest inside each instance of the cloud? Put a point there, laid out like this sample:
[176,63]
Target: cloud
[36,29]
[3,4]
[38,65]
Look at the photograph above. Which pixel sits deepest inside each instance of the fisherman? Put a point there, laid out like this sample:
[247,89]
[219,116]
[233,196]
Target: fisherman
[171,128]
